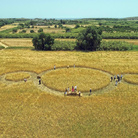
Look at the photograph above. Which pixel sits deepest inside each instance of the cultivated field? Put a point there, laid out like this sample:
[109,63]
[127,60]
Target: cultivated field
[17,42]
[45,29]
[63,78]
[27,42]
[5,27]
[133,41]
[27,110]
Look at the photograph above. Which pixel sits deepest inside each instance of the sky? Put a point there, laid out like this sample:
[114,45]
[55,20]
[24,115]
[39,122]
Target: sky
[68,8]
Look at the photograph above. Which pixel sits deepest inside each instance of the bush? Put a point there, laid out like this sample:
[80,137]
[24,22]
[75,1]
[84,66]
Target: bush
[40,30]
[23,31]
[31,31]
[63,45]
[115,46]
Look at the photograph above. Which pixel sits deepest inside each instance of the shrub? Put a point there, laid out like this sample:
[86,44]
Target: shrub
[63,45]
[115,46]
[31,31]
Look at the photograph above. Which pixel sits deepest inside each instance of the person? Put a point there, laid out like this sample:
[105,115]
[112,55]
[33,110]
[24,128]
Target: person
[118,77]
[65,93]
[90,91]
[75,88]
[111,79]
[74,65]
[72,89]
[39,81]
[79,93]
[25,80]
[54,67]
[114,77]
[116,83]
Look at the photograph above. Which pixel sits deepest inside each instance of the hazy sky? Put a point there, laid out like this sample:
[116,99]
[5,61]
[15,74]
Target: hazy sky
[68,8]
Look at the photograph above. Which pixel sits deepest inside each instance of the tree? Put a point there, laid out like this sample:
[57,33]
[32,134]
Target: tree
[77,26]
[23,31]
[31,31]
[40,30]
[14,30]
[55,26]
[68,29]
[43,41]
[89,39]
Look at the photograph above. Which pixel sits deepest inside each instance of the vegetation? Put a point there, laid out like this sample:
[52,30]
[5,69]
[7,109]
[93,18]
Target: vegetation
[112,28]
[64,78]
[115,46]
[131,78]
[43,42]
[63,45]
[17,76]
[89,39]
[26,111]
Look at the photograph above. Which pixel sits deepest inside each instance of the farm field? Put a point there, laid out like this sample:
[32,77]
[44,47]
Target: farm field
[45,29]
[29,110]
[17,42]
[133,41]
[5,27]
[27,42]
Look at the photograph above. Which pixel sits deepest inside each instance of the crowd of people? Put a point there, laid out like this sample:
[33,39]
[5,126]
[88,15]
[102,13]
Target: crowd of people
[73,90]
[117,79]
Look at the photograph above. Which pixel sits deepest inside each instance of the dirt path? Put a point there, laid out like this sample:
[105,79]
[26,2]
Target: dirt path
[42,87]
[1,44]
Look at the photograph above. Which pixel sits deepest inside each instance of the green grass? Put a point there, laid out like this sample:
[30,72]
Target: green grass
[135,48]
[12,47]
[1,47]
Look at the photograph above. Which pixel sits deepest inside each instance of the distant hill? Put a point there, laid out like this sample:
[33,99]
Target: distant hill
[132,18]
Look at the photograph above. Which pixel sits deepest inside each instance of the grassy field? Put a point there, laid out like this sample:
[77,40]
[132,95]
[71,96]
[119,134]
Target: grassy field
[5,27]
[17,76]
[45,29]
[131,78]
[26,111]
[23,42]
[27,42]
[64,78]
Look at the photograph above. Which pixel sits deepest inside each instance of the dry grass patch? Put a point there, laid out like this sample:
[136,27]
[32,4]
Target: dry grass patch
[60,39]
[17,76]
[25,111]
[5,27]
[131,78]
[84,79]
[25,42]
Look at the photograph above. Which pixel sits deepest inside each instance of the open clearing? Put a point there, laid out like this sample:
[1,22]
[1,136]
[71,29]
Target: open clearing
[29,111]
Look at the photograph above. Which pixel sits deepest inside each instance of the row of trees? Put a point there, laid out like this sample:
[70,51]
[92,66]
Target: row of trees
[88,39]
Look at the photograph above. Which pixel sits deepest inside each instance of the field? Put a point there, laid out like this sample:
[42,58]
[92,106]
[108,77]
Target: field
[27,42]
[45,29]
[27,109]
[5,27]
[24,42]
[133,41]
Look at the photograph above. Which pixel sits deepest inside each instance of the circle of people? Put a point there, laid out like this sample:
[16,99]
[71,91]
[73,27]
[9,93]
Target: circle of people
[117,80]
